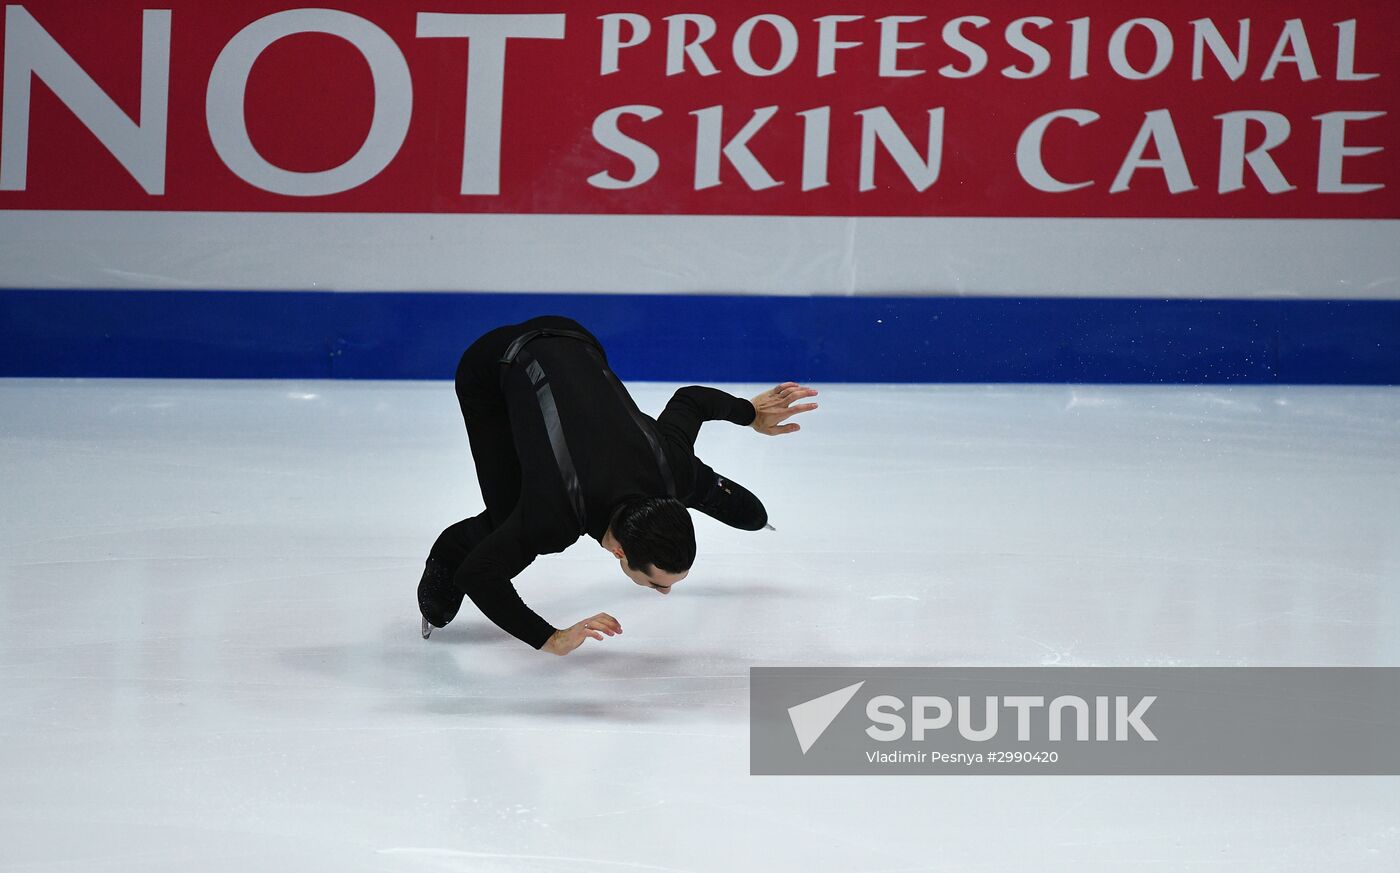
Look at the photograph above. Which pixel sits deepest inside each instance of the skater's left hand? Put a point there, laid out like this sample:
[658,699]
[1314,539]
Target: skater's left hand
[774,406]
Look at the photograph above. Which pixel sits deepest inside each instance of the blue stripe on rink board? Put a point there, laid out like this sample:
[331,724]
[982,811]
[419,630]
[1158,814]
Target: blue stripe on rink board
[261,334]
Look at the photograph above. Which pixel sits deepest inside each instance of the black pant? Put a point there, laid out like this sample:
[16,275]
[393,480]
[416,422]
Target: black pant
[483,404]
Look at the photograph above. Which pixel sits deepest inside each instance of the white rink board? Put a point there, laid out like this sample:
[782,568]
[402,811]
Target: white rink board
[1163,258]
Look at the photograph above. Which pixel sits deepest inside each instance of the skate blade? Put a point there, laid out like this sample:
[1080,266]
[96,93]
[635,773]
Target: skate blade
[427,629]
[769,527]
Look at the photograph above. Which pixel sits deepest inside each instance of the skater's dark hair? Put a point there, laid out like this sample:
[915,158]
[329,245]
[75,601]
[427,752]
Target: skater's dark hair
[655,532]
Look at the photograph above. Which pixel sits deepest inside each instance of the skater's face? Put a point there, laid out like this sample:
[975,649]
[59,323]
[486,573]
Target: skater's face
[659,580]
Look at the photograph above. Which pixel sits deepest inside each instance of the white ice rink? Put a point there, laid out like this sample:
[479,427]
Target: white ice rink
[210,659]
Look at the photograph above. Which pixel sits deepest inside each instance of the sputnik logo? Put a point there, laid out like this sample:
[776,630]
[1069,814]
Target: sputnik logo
[811,719]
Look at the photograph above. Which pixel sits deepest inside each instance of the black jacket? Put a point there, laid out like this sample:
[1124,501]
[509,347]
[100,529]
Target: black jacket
[614,460]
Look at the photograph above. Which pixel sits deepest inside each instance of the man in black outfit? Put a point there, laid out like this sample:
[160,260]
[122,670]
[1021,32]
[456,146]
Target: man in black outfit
[561,451]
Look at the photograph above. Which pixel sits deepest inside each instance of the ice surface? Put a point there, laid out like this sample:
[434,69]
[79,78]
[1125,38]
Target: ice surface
[210,656]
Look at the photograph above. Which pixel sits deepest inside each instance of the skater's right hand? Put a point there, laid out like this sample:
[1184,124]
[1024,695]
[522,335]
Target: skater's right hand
[562,642]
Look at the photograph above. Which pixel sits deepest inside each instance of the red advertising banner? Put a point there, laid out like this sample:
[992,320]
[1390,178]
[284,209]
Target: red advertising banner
[1116,108]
